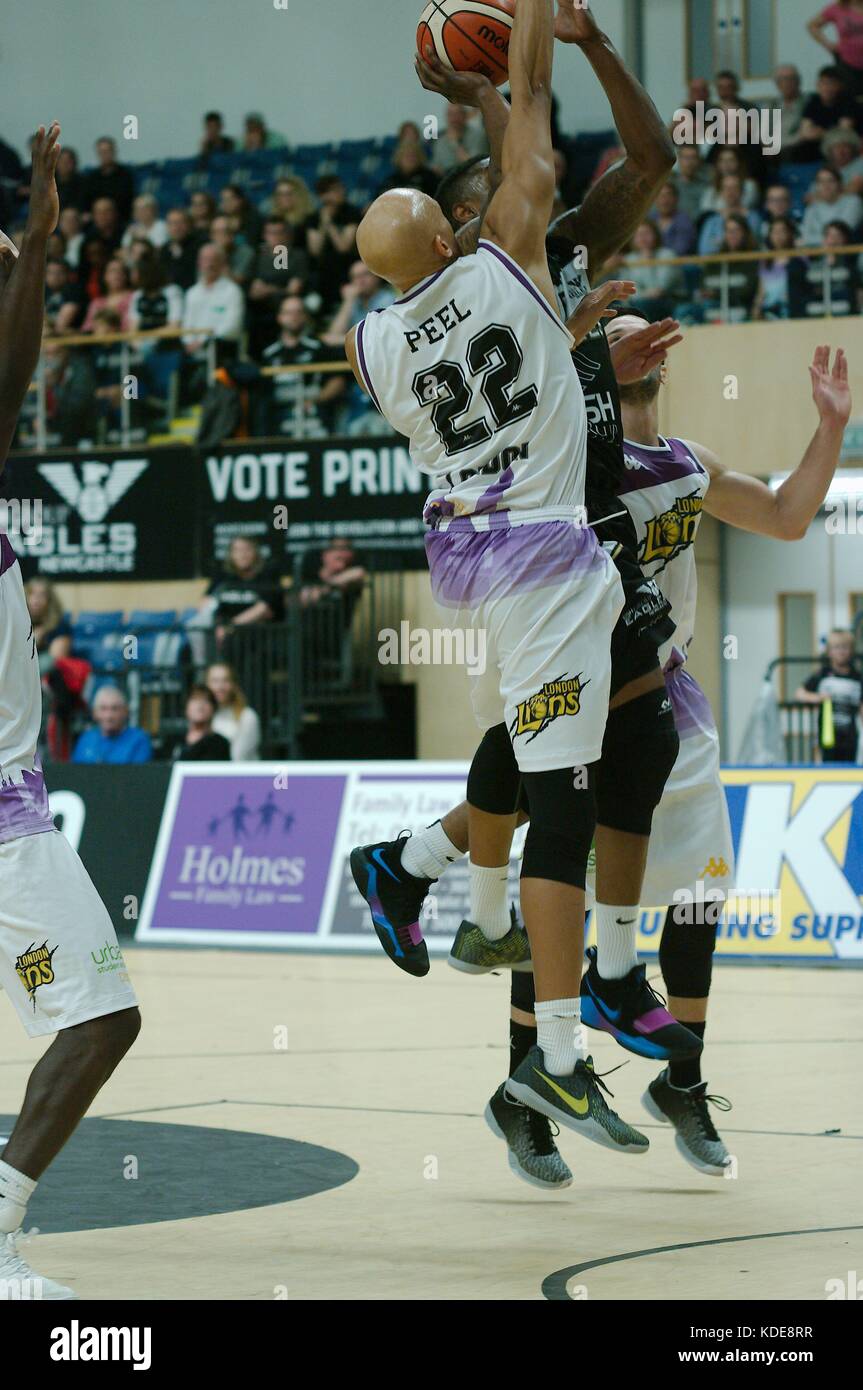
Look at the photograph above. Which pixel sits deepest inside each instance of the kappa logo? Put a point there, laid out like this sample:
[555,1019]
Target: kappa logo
[35,968]
[716,868]
[632,462]
[557,699]
[672,531]
[99,486]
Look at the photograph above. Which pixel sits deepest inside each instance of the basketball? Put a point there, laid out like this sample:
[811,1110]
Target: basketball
[468,35]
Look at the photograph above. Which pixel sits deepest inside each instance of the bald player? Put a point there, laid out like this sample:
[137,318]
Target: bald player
[472,362]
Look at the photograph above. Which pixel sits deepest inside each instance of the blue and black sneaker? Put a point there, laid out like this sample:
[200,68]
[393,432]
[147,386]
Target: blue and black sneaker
[395,899]
[632,1012]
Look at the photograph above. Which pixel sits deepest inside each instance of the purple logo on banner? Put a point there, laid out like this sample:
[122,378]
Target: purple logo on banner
[244,856]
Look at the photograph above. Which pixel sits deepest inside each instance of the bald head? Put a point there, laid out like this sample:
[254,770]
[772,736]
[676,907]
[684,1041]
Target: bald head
[404,237]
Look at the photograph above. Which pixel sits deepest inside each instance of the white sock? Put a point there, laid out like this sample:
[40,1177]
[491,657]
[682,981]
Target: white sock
[559,1034]
[615,940]
[427,853]
[489,900]
[16,1189]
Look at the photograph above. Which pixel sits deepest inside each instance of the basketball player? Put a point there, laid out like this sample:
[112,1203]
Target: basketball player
[52,921]
[640,742]
[495,413]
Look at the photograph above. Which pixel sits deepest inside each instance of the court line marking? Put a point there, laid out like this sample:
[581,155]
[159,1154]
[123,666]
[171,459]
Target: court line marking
[554,1285]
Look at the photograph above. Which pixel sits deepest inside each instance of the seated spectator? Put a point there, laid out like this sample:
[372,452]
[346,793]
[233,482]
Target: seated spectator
[202,210]
[729,290]
[146,222]
[826,286]
[829,204]
[791,106]
[109,180]
[104,226]
[299,407]
[331,238]
[71,228]
[692,178]
[257,136]
[70,183]
[214,302]
[675,228]
[179,255]
[279,269]
[362,293]
[112,740]
[846,18]
[91,272]
[462,139]
[839,680]
[334,572]
[247,591]
[202,743]
[829,107]
[107,363]
[411,170]
[154,303]
[63,676]
[728,161]
[214,140]
[64,301]
[246,219]
[239,256]
[841,151]
[698,94]
[52,629]
[293,202]
[777,203]
[772,300]
[657,285]
[234,720]
[70,392]
[731,201]
[117,295]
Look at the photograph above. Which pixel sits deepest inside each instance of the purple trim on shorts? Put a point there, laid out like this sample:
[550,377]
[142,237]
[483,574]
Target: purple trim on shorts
[364,366]
[492,495]
[24,806]
[692,712]
[663,465]
[467,565]
[7,554]
[528,284]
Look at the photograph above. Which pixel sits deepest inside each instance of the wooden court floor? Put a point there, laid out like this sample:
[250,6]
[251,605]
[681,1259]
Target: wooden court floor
[263,1076]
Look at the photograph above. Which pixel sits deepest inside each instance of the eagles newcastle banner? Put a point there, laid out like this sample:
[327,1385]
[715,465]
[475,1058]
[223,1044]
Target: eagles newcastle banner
[258,855]
[105,515]
[292,496]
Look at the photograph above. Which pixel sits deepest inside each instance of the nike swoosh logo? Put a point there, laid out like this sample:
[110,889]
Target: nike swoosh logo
[376,856]
[581,1107]
[625,921]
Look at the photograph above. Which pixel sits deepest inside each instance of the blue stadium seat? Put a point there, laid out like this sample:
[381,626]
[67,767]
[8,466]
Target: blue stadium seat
[145,620]
[798,178]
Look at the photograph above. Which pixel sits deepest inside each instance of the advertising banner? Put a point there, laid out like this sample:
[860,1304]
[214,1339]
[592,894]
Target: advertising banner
[258,855]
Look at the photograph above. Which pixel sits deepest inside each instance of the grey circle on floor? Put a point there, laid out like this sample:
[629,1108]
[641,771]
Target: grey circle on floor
[182,1171]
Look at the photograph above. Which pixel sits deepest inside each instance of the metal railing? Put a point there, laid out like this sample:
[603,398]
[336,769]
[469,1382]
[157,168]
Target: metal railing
[800,722]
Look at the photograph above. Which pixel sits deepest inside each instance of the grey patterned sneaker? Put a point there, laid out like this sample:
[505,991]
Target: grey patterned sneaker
[686,1110]
[475,954]
[529,1137]
[575,1101]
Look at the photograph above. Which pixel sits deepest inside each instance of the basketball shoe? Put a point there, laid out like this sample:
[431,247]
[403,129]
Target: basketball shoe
[686,1109]
[575,1101]
[632,1012]
[395,900]
[18,1282]
[475,954]
[531,1151]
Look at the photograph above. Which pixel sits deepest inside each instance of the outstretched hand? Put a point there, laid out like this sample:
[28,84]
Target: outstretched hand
[830,390]
[638,353]
[44,203]
[462,88]
[574,23]
[596,306]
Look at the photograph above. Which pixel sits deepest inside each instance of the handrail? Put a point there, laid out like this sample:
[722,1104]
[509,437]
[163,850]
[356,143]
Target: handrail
[792,253]
[128,335]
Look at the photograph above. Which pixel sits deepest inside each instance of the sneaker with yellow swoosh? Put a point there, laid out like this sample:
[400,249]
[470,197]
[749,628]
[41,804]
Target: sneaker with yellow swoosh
[575,1101]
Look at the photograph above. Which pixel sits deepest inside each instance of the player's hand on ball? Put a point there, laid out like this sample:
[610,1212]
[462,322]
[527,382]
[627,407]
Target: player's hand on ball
[597,305]
[574,23]
[830,390]
[637,354]
[44,203]
[462,88]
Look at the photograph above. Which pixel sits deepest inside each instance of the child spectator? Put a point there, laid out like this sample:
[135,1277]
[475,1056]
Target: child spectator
[839,680]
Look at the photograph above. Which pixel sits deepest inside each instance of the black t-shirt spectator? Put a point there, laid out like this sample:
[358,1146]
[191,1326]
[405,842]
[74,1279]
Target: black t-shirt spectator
[72,192]
[333,265]
[810,296]
[68,294]
[281,403]
[212,748]
[117,183]
[423,179]
[235,595]
[180,261]
[845,690]
[826,118]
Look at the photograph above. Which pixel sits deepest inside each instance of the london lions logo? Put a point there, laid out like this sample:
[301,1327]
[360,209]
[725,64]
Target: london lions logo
[557,699]
[672,531]
[35,968]
[99,488]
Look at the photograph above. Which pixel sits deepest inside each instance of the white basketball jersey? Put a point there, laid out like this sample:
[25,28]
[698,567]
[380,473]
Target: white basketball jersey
[473,365]
[23,798]
[664,494]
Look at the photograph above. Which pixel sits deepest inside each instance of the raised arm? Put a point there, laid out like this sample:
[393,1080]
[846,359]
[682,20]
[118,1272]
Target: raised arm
[518,214]
[618,202]
[816,29]
[22,305]
[786,514]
